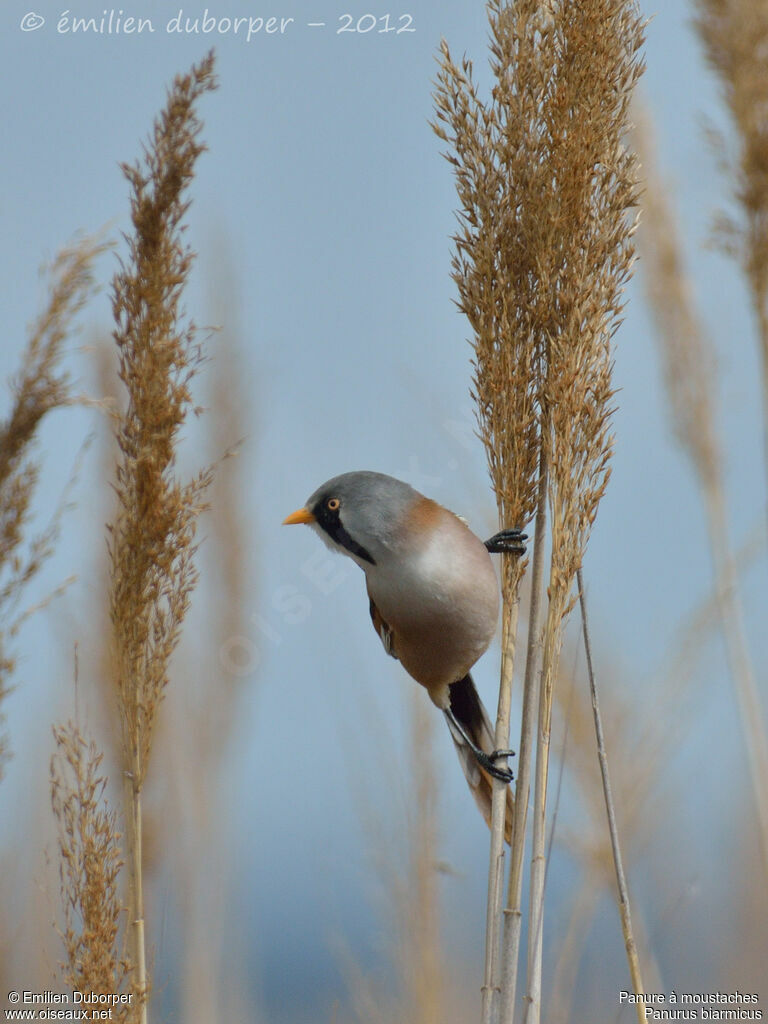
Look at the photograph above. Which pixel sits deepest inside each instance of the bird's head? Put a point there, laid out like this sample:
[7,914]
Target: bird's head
[358,514]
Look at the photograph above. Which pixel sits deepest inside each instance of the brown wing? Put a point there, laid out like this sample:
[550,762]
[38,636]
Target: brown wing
[383,629]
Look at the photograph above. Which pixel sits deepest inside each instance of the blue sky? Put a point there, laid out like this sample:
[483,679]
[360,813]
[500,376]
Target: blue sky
[325,188]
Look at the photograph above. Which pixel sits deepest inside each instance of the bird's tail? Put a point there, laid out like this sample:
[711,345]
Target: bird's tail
[472,716]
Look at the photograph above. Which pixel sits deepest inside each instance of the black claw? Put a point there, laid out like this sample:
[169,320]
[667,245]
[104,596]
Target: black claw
[501,753]
[507,542]
[486,761]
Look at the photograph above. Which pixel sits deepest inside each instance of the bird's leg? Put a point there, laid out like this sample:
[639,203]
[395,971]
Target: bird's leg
[507,542]
[486,761]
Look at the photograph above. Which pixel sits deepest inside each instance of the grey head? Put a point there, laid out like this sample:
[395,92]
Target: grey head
[360,513]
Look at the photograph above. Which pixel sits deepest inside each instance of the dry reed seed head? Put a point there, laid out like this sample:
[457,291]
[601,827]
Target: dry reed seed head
[735,36]
[152,539]
[39,387]
[89,868]
[543,249]
[590,256]
[688,357]
[481,269]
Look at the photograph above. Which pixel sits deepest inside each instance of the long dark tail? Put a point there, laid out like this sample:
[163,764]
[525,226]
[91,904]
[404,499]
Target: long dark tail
[470,713]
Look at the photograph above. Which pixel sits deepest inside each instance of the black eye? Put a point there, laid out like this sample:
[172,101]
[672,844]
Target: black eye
[333,504]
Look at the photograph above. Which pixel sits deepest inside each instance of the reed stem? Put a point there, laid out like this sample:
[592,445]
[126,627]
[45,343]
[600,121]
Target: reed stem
[136,889]
[550,654]
[513,914]
[491,977]
[621,880]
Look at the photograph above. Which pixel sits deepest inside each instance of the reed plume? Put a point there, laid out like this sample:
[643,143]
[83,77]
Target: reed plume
[735,38]
[546,185]
[594,71]
[686,352]
[494,268]
[39,387]
[90,860]
[688,359]
[152,539]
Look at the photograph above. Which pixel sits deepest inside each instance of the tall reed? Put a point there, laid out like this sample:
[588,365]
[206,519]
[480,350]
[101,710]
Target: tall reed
[39,387]
[687,360]
[152,539]
[546,185]
[735,38]
[594,70]
[494,267]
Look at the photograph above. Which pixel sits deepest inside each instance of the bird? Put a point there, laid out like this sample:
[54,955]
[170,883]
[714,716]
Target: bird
[433,600]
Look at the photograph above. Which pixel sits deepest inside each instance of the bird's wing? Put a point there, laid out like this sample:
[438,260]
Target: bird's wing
[383,629]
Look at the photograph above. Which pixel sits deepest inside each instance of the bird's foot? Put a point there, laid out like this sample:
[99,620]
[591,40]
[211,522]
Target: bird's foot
[510,542]
[488,762]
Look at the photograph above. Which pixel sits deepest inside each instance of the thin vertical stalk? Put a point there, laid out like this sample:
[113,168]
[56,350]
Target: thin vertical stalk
[491,978]
[513,915]
[136,888]
[621,880]
[552,639]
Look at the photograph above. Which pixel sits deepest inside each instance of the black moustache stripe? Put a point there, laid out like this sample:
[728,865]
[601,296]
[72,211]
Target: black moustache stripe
[329,519]
[340,535]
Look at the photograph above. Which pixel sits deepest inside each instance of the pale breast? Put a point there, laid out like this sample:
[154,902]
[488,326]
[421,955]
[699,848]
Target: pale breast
[440,597]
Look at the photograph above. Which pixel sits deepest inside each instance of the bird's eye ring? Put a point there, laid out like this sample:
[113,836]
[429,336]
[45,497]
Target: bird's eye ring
[333,504]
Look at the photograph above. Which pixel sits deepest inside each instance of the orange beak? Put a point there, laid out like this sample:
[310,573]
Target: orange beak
[301,515]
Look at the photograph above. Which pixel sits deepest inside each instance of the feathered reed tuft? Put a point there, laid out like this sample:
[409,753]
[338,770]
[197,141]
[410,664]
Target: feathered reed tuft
[685,349]
[588,224]
[89,868]
[152,539]
[687,358]
[492,265]
[735,38]
[39,387]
